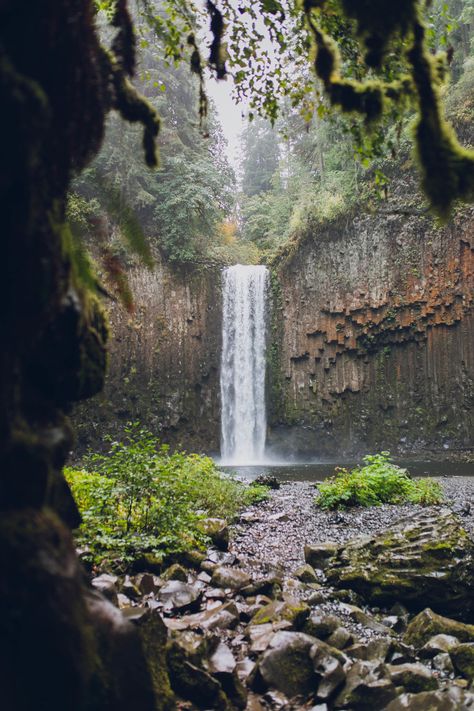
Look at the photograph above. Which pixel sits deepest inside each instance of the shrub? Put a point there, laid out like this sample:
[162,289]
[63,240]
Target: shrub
[140,498]
[378,482]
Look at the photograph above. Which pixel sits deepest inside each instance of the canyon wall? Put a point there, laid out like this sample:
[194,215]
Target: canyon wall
[372,336]
[163,361]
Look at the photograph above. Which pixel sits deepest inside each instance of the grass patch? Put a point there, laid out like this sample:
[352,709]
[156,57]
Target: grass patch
[379,481]
[140,498]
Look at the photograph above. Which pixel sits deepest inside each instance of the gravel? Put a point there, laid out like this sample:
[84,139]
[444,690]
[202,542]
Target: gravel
[276,531]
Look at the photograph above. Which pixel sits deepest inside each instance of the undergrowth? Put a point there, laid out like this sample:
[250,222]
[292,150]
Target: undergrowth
[140,498]
[379,481]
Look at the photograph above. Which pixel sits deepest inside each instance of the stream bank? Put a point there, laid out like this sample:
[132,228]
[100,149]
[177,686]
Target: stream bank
[251,625]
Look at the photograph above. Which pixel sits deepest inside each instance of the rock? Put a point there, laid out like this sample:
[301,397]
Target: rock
[244,668]
[107,585]
[401,653]
[222,665]
[153,636]
[226,577]
[328,670]
[462,658]
[321,555]
[148,583]
[295,613]
[340,638]
[267,480]
[175,572]
[425,701]
[179,596]
[375,650]
[438,643]
[428,624]
[130,589]
[287,665]
[442,662]
[223,616]
[306,574]
[194,683]
[148,563]
[368,685]
[363,618]
[321,626]
[123,601]
[428,559]
[218,531]
[221,557]
[260,637]
[270,586]
[412,677]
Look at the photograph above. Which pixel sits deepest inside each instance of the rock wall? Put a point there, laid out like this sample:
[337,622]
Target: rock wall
[372,336]
[164,361]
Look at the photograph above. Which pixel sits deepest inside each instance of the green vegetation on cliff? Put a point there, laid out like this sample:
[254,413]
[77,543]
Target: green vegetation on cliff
[139,498]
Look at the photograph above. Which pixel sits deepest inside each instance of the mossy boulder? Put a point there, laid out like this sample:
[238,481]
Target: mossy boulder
[295,613]
[462,658]
[428,624]
[426,560]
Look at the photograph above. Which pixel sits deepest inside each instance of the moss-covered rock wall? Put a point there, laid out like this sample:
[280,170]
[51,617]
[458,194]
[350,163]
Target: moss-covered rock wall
[163,361]
[372,335]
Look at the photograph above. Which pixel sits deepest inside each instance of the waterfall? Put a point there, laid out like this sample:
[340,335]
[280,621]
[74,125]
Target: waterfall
[243,418]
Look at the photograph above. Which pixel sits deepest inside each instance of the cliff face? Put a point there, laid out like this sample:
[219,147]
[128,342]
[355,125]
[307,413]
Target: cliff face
[164,361]
[372,337]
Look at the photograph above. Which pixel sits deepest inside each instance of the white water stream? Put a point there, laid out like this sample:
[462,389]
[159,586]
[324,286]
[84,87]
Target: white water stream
[243,418]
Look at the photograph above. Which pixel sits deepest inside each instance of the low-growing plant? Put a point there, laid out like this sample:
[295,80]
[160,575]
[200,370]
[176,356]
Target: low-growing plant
[379,481]
[141,498]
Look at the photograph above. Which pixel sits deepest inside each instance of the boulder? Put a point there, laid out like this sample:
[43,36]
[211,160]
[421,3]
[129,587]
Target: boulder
[425,701]
[322,626]
[427,624]
[226,577]
[306,574]
[368,685]
[218,531]
[426,560]
[340,638]
[438,644]
[223,616]
[175,572]
[287,665]
[321,555]
[176,595]
[293,612]
[328,670]
[462,658]
[107,585]
[412,677]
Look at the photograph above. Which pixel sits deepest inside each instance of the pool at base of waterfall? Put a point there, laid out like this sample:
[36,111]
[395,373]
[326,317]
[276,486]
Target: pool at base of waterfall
[319,470]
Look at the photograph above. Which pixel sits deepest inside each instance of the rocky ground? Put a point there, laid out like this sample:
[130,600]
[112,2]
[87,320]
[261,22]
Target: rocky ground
[292,614]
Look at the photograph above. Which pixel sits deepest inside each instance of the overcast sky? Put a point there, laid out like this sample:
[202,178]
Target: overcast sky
[230,115]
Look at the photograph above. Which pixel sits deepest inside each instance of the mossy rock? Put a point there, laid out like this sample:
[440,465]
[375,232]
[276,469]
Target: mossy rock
[296,613]
[175,572]
[427,560]
[428,624]
[462,657]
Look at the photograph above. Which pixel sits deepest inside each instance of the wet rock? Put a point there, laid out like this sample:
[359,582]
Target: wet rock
[223,616]
[321,555]
[328,670]
[438,643]
[130,589]
[442,662]
[412,677]
[222,665]
[375,650]
[306,574]
[267,480]
[176,595]
[368,685]
[462,658]
[363,618]
[425,701]
[148,583]
[321,626]
[340,638]
[427,624]
[107,585]
[218,531]
[287,665]
[293,612]
[226,577]
[175,572]
[428,559]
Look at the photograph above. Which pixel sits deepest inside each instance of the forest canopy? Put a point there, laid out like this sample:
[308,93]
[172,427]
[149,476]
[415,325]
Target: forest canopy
[370,59]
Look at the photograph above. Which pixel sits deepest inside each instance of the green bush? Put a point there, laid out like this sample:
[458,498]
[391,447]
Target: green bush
[140,498]
[378,482]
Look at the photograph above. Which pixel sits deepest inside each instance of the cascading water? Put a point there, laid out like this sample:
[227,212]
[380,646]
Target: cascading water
[243,418]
